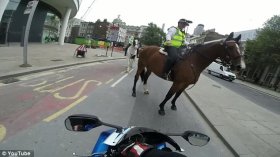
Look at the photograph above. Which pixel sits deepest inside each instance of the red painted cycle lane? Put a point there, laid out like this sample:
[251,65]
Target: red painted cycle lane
[40,98]
[45,107]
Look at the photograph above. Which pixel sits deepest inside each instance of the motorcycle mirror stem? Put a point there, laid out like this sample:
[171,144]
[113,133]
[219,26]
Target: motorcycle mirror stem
[119,128]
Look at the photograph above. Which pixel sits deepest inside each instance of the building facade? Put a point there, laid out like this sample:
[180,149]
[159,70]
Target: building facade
[49,21]
[72,23]
[86,29]
[247,35]
[132,32]
[117,31]
[198,30]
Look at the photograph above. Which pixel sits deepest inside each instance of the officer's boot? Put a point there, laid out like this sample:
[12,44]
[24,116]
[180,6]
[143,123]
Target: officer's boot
[167,67]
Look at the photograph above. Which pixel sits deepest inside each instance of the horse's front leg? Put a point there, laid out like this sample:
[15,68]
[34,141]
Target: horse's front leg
[170,93]
[173,102]
[134,85]
[181,87]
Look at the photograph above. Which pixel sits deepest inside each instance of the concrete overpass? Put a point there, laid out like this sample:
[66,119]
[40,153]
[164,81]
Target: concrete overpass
[65,9]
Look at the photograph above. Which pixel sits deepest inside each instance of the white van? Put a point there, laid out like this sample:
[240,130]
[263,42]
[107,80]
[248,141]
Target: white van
[221,71]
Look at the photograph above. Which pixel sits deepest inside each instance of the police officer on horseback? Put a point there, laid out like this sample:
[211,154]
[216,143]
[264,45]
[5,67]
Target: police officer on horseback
[175,38]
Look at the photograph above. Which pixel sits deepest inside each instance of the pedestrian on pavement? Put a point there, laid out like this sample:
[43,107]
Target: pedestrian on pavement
[131,53]
[107,44]
[113,46]
[175,38]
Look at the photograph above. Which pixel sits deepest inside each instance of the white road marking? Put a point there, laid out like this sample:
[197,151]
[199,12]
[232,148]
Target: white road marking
[109,81]
[119,80]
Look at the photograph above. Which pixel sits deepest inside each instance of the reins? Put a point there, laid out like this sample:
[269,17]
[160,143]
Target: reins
[192,66]
[203,55]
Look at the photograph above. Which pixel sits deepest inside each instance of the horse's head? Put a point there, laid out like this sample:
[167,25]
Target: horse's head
[233,53]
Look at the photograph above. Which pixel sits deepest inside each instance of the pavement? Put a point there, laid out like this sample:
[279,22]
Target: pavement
[43,57]
[247,129]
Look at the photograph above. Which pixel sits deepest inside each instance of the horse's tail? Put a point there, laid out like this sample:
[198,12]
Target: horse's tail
[142,74]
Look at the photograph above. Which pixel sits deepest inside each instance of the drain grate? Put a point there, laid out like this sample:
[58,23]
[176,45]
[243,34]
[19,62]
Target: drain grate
[10,80]
[56,60]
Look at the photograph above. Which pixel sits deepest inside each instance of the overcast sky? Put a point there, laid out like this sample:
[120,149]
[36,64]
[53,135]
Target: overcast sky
[224,15]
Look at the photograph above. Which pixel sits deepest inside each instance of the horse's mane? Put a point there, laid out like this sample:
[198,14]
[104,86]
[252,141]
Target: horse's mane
[206,44]
[200,47]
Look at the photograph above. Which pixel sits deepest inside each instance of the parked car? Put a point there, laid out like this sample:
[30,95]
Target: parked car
[221,71]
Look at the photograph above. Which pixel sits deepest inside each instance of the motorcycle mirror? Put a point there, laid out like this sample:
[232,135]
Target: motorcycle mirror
[196,138]
[81,122]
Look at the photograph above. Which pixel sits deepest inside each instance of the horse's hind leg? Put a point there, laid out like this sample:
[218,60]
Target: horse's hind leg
[170,93]
[147,74]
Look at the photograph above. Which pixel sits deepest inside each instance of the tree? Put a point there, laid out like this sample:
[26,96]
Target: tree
[100,29]
[152,35]
[266,47]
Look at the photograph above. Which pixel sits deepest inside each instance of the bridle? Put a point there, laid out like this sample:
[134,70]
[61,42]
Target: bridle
[227,57]
[227,45]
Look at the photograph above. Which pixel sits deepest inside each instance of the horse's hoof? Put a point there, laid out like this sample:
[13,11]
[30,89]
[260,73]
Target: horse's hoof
[146,92]
[134,94]
[161,112]
[173,108]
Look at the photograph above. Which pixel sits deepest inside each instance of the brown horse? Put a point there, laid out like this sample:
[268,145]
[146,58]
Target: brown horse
[187,70]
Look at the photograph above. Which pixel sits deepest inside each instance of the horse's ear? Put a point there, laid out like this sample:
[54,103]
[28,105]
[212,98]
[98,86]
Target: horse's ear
[238,38]
[229,37]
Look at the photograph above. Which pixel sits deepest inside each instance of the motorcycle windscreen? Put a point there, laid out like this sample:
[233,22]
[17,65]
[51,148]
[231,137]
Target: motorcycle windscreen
[116,137]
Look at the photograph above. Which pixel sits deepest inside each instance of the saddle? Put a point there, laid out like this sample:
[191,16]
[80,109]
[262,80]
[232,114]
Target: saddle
[182,52]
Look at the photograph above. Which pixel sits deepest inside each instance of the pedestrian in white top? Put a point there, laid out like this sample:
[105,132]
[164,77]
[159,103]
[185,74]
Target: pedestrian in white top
[131,53]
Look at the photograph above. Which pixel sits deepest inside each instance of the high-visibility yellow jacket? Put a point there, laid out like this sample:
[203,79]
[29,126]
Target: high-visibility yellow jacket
[178,39]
